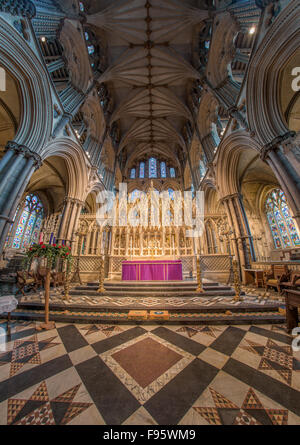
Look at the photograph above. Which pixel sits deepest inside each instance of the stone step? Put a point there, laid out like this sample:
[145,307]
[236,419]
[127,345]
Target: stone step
[110,307]
[156,284]
[161,293]
[142,288]
[121,317]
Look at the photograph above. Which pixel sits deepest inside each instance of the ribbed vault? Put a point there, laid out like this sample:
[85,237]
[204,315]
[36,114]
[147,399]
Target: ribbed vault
[150,51]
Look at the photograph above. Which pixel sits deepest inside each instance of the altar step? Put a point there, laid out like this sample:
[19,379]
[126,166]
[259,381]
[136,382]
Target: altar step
[79,313]
[152,288]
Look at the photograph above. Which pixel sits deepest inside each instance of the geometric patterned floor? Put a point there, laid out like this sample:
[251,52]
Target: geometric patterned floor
[148,375]
[149,302]
[195,301]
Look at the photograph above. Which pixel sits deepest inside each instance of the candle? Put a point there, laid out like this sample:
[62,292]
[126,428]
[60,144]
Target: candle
[41,237]
[51,237]
[54,239]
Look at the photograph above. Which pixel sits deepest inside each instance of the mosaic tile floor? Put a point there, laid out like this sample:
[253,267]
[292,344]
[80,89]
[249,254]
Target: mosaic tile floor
[167,375]
[56,297]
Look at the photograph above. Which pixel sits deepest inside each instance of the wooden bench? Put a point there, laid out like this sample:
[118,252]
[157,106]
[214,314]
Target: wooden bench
[278,274]
[292,302]
[293,281]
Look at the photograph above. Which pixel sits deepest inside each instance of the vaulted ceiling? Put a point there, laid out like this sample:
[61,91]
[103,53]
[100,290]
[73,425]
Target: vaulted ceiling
[150,51]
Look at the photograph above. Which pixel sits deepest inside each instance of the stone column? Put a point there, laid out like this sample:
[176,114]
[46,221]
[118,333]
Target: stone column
[16,169]
[69,220]
[63,222]
[177,242]
[141,241]
[77,212]
[243,246]
[285,172]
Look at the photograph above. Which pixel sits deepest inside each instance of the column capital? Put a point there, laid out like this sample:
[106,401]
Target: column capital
[73,200]
[20,149]
[275,144]
[232,196]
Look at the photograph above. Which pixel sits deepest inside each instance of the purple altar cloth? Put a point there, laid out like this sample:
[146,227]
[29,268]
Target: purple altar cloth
[155,270]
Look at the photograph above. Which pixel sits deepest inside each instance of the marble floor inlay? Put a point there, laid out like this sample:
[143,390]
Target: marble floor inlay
[97,374]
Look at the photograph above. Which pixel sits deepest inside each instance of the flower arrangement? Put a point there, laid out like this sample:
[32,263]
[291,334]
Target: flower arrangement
[51,252]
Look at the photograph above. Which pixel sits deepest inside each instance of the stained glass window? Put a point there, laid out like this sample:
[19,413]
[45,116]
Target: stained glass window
[134,195]
[152,168]
[202,168]
[29,224]
[163,170]
[142,170]
[132,173]
[283,228]
[91,49]
[172,172]
[171,193]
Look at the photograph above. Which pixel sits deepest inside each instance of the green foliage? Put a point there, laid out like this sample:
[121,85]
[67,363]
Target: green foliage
[51,252]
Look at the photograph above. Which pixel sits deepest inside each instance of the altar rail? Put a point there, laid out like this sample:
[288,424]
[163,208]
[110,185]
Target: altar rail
[214,267]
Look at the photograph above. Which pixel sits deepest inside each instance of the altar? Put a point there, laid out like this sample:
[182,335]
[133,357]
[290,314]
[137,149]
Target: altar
[152,270]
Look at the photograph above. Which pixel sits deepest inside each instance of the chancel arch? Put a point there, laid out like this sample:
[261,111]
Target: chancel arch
[22,64]
[265,113]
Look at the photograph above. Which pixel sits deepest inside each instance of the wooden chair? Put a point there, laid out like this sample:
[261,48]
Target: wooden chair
[293,282]
[278,274]
[26,280]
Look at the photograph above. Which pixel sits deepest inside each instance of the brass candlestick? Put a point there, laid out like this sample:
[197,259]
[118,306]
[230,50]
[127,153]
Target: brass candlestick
[237,281]
[199,277]
[101,276]
[67,283]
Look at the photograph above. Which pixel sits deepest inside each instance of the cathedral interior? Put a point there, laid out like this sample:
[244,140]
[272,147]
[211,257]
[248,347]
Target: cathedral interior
[137,111]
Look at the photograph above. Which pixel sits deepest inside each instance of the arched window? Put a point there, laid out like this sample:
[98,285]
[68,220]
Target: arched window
[171,194]
[142,170]
[134,195]
[132,173]
[172,172]
[29,224]
[91,49]
[202,168]
[163,170]
[152,168]
[283,229]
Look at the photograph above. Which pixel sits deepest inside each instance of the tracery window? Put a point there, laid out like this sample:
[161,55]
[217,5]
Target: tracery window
[142,170]
[91,49]
[171,194]
[283,228]
[134,195]
[163,170]
[152,168]
[29,224]
[202,168]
